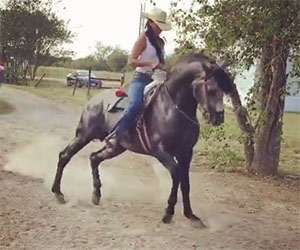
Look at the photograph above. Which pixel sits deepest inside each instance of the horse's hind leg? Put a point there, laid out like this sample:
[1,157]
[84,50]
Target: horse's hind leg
[96,158]
[64,157]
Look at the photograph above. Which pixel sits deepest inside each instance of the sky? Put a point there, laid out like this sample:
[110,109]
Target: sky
[111,22]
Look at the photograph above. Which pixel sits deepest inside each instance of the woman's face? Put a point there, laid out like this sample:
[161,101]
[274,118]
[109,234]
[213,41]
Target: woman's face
[155,28]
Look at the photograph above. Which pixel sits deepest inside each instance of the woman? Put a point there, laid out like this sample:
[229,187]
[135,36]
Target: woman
[146,55]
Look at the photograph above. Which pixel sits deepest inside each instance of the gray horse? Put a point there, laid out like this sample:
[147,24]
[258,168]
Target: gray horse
[170,126]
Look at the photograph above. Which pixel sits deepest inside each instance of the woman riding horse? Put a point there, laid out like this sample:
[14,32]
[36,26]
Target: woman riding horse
[170,123]
[146,55]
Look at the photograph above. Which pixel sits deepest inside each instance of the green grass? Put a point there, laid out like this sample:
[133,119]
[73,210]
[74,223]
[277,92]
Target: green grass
[59,92]
[290,147]
[5,108]
[229,151]
[61,73]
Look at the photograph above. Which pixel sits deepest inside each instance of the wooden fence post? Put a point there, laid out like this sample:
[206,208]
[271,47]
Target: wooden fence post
[122,80]
[40,80]
[75,85]
[89,81]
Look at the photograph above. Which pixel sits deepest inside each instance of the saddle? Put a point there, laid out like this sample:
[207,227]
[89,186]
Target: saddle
[117,108]
[123,100]
[117,111]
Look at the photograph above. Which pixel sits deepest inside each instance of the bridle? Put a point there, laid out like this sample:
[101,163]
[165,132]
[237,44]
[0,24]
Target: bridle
[206,95]
[175,106]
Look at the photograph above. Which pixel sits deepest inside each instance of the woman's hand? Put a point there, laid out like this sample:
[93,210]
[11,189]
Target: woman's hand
[153,64]
[156,65]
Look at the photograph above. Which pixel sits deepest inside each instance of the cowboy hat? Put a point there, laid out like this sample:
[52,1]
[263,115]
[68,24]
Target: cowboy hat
[159,17]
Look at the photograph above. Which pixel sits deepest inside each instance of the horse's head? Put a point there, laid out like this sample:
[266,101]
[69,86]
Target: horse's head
[209,86]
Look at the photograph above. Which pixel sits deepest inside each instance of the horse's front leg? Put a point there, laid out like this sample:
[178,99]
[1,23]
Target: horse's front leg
[168,161]
[184,162]
[96,158]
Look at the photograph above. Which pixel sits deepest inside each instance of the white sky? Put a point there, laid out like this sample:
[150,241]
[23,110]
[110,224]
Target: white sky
[112,22]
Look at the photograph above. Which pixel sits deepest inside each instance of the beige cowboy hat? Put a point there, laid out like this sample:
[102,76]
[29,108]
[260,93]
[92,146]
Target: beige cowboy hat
[159,17]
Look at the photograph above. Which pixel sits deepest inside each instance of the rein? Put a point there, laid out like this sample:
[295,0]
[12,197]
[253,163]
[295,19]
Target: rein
[206,82]
[175,106]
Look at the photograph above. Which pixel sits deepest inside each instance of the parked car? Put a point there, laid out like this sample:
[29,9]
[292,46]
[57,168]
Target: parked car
[82,78]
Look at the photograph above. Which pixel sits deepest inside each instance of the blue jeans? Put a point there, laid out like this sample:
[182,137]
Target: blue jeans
[136,94]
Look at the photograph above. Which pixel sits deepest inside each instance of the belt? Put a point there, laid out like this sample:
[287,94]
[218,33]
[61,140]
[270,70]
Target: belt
[148,74]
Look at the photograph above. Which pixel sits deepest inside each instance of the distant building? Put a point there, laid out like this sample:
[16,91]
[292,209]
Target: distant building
[292,101]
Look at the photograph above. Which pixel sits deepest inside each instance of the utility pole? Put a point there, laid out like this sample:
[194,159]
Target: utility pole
[142,20]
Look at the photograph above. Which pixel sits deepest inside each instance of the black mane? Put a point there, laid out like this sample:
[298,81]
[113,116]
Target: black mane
[223,79]
[179,74]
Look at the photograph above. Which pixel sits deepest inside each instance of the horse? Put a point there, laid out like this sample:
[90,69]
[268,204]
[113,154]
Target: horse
[171,125]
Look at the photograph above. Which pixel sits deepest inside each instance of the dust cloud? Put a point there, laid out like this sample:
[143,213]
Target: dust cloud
[127,177]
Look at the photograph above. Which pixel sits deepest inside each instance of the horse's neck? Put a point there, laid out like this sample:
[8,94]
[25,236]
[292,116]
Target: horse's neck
[182,96]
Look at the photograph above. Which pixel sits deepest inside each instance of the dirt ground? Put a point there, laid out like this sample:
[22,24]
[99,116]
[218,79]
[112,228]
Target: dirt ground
[241,212]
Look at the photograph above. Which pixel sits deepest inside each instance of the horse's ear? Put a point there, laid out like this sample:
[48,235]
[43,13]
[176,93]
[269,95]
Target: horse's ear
[223,79]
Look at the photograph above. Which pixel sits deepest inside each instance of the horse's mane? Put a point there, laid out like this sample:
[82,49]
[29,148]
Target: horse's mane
[181,72]
[224,80]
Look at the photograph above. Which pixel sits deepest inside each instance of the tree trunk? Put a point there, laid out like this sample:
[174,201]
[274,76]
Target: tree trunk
[267,147]
[245,126]
[265,76]
[34,72]
[24,76]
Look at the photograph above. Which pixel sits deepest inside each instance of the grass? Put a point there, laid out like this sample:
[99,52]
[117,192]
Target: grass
[290,147]
[59,92]
[226,154]
[61,73]
[5,108]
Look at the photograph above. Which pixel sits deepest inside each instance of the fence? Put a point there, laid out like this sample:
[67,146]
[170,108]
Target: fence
[121,80]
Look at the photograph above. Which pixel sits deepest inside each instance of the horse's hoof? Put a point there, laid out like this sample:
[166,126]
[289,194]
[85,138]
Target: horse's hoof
[167,218]
[60,198]
[197,222]
[95,199]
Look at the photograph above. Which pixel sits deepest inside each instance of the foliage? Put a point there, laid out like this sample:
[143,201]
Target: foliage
[241,31]
[117,60]
[104,58]
[237,29]
[86,62]
[221,147]
[31,33]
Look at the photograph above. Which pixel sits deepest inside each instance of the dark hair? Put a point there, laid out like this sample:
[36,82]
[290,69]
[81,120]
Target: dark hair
[150,35]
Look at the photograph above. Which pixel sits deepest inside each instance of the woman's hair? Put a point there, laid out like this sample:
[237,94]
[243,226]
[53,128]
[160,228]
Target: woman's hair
[150,35]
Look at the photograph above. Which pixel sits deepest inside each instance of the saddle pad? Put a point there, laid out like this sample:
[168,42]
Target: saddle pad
[151,93]
[119,105]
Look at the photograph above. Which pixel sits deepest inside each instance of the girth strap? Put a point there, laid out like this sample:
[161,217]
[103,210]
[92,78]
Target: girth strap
[143,136]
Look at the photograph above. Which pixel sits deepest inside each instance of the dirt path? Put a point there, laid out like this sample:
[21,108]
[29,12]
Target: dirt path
[241,212]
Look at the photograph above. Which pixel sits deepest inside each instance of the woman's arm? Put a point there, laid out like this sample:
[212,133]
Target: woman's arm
[138,48]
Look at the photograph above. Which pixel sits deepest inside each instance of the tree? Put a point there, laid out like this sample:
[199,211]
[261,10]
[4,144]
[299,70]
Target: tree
[101,54]
[117,60]
[242,31]
[31,32]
